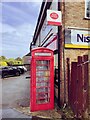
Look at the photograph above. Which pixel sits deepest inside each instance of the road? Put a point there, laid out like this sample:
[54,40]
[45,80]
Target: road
[14,90]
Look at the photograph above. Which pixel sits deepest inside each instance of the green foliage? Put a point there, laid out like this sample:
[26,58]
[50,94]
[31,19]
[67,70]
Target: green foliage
[2,58]
[17,62]
[3,63]
[18,59]
[11,61]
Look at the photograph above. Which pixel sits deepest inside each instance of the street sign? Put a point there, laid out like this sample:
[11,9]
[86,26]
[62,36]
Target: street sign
[54,17]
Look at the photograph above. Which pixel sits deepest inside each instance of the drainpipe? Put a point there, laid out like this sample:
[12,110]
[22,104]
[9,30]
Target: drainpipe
[64,67]
[59,56]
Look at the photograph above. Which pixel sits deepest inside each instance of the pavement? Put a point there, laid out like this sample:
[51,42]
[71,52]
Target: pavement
[14,89]
[12,113]
[15,100]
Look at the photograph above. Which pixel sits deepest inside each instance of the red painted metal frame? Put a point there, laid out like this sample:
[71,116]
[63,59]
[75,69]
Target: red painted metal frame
[44,106]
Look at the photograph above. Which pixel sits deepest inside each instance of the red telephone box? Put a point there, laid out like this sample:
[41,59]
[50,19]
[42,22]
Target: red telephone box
[42,79]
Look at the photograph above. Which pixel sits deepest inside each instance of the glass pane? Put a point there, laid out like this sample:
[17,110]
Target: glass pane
[42,81]
[88,9]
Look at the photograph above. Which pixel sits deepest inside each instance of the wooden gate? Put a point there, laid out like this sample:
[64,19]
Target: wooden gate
[78,82]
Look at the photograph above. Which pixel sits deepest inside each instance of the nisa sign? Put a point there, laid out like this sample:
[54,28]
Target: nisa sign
[78,39]
[84,38]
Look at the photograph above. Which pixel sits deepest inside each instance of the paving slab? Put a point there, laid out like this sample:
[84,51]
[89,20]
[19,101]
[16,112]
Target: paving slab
[11,113]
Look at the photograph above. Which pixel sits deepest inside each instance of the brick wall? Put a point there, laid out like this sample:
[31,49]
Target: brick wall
[74,53]
[75,14]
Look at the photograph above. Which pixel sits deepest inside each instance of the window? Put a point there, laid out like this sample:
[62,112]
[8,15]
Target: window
[87,9]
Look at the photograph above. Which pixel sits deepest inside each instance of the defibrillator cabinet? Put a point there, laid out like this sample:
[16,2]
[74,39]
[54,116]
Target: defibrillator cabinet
[42,80]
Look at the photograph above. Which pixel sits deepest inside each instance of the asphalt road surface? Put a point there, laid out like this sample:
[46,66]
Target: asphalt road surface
[14,89]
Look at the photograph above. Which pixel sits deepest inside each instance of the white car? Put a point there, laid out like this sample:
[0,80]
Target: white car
[23,67]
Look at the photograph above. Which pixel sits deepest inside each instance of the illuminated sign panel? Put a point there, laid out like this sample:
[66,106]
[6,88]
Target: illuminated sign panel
[43,54]
[78,39]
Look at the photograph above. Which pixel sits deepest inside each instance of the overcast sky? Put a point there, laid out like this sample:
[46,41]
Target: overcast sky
[18,25]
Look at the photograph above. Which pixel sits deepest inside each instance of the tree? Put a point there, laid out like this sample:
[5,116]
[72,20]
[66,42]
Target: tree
[2,58]
[10,63]
[18,59]
[3,63]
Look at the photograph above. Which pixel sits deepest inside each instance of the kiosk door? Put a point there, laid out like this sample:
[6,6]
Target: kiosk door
[42,81]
